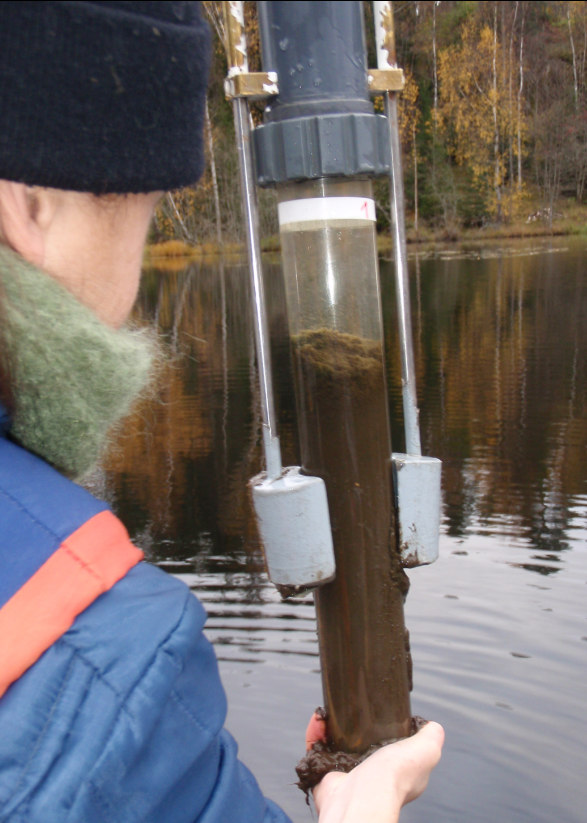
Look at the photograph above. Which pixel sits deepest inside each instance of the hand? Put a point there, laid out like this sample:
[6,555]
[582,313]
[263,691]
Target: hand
[376,790]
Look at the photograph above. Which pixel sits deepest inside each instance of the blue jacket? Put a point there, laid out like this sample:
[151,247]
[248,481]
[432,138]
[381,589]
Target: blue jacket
[120,716]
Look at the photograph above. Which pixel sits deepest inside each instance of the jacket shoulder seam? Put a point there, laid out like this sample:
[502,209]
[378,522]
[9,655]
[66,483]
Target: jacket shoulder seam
[186,710]
[41,735]
[22,508]
[141,675]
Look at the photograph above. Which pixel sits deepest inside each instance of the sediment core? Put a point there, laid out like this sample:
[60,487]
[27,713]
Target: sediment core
[344,437]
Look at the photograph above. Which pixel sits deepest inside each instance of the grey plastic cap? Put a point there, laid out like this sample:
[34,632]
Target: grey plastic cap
[327,145]
[321,124]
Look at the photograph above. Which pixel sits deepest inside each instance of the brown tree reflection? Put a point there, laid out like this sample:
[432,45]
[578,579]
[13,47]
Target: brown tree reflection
[502,386]
[501,373]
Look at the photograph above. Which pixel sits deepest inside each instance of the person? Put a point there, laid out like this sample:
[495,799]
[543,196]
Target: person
[111,706]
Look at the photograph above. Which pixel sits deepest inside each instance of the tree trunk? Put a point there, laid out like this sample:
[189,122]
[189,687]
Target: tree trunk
[575,78]
[214,176]
[511,96]
[187,236]
[434,64]
[415,150]
[520,91]
[435,101]
[496,169]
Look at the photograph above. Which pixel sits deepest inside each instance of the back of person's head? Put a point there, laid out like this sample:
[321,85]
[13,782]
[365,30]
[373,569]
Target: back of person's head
[102,96]
[97,100]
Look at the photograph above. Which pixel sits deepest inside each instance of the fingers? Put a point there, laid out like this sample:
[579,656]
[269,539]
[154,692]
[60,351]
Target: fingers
[429,738]
[420,754]
[316,730]
[378,788]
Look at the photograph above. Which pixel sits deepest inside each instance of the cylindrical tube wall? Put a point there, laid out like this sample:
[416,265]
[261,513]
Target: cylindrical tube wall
[318,51]
[331,275]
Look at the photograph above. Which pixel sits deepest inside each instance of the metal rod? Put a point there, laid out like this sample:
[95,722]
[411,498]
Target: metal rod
[237,59]
[386,58]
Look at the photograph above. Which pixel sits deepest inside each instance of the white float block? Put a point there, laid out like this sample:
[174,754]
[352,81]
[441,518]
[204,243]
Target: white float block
[294,525]
[417,488]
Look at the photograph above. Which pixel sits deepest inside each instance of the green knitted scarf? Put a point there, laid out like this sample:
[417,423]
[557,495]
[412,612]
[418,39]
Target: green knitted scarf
[73,377]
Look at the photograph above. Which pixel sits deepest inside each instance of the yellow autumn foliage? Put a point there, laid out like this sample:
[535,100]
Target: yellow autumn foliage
[408,110]
[477,114]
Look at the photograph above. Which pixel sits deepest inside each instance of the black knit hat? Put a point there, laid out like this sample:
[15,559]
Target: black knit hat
[102,96]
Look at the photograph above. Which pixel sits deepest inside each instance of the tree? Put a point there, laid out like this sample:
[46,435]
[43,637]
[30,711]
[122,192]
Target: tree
[494,110]
[576,14]
[409,118]
[556,96]
[477,115]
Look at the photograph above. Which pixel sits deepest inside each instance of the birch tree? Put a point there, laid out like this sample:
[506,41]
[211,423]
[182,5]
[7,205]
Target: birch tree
[475,111]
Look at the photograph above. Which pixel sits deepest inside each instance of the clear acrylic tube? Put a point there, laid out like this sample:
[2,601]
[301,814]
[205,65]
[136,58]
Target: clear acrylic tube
[332,285]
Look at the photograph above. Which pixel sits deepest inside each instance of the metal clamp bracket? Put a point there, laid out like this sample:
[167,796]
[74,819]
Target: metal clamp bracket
[259,85]
[254,85]
[385,80]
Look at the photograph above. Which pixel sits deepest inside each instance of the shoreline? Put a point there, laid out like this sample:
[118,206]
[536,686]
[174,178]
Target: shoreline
[178,250]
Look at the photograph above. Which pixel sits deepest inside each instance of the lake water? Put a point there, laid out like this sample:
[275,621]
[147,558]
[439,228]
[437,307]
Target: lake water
[499,623]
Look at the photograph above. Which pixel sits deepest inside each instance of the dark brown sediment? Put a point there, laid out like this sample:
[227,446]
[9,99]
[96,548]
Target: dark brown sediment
[344,437]
[323,758]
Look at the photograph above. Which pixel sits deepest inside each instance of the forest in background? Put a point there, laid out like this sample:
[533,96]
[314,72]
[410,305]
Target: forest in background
[493,123]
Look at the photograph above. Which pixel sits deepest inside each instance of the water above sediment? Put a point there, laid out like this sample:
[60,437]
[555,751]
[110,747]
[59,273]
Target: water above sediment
[499,625]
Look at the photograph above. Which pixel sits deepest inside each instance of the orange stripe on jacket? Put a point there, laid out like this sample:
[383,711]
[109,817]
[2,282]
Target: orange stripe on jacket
[88,563]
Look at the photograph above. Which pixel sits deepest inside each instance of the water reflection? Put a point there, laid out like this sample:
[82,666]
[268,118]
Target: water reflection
[501,373]
[498,625]
[500,352]
[200,436]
